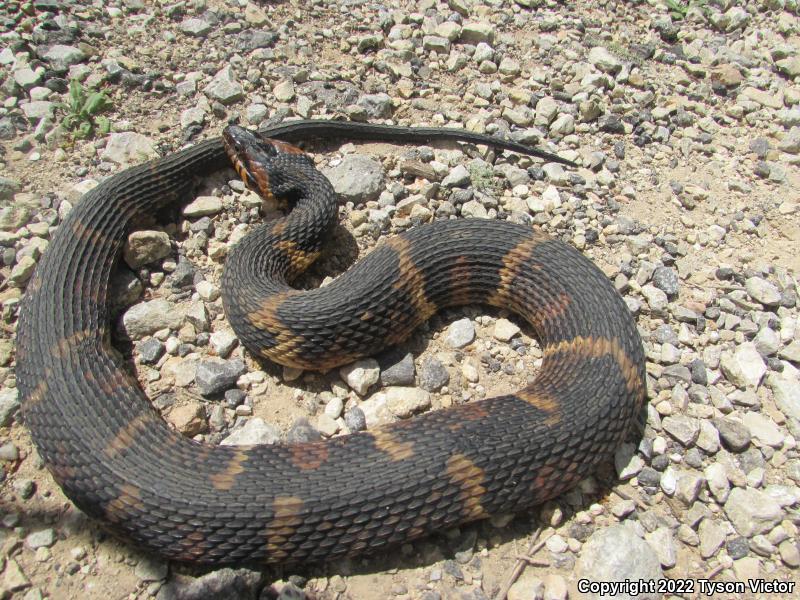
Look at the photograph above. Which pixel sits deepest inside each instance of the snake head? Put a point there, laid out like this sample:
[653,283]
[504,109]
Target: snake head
[252,155]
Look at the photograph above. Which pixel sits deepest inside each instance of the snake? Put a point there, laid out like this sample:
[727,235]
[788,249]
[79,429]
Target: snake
[119,462]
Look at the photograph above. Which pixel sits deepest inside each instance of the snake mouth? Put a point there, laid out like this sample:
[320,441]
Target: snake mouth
[250,155]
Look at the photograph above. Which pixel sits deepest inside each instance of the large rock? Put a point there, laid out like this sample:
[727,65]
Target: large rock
[617,554]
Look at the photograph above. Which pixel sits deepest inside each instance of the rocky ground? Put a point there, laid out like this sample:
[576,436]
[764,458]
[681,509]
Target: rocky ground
[687,130]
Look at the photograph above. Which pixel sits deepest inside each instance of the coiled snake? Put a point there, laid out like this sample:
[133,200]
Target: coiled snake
[118,461]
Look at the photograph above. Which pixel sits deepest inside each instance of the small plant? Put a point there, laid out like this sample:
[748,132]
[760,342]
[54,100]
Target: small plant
[83,117]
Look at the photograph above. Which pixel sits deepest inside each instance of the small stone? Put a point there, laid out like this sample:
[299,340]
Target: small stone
[752,511]
[791,352]
[682,428]
[474,32]
[555,587]
[358,178]
[786,392]
[473,209]
[433,375]
[220,584]
[150,351]
[254,431]
[129,148]
[712,536]
[22,271]
[195,27]
[627,462]
[44,538]
[326,425]
[207,290]
[401,372]
[717,481]
[744,367]
[604,60]
[13,577]
[656,299]
[189,418]
[234,397]
[376,106]
[214,377]
[663,544]
[527,587]
[461,333]
[361,375]
[617,554]
[790,554]
[458,177]
[666,279]
[735,436]
[9,405]
[708,440]
[224,87]
[150,568]
[202,206]
[767,341]
[334,408]
[301,432]
[255,15]
[763,291]
[688,486]
[62,57]
[763,429]
[145,247]
[355,419]
[284,91]
[405,401]
[146,318]
[223,342]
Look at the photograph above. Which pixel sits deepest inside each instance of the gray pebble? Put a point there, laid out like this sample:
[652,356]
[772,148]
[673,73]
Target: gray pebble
[43,538]
[397,372]
[358,178]
[302,431]
[9,404]
[222,584]
[355,419]
[433,375]
[150,351]
[460,333]
[618,554]
[214,377]
[9,452]
[734,435]
[666,279]
[254,431]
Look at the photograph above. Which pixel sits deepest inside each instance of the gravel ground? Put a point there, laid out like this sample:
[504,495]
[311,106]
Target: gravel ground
[687,130]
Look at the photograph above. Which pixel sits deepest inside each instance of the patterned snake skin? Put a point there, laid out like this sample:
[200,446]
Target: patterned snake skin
[118,461]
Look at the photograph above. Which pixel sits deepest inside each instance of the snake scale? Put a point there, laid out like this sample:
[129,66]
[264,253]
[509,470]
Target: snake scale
[119,462]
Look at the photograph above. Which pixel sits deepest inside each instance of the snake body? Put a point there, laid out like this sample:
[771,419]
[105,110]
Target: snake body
[118,461]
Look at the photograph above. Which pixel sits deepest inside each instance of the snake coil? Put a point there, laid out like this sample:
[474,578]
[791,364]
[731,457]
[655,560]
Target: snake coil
[118,461]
